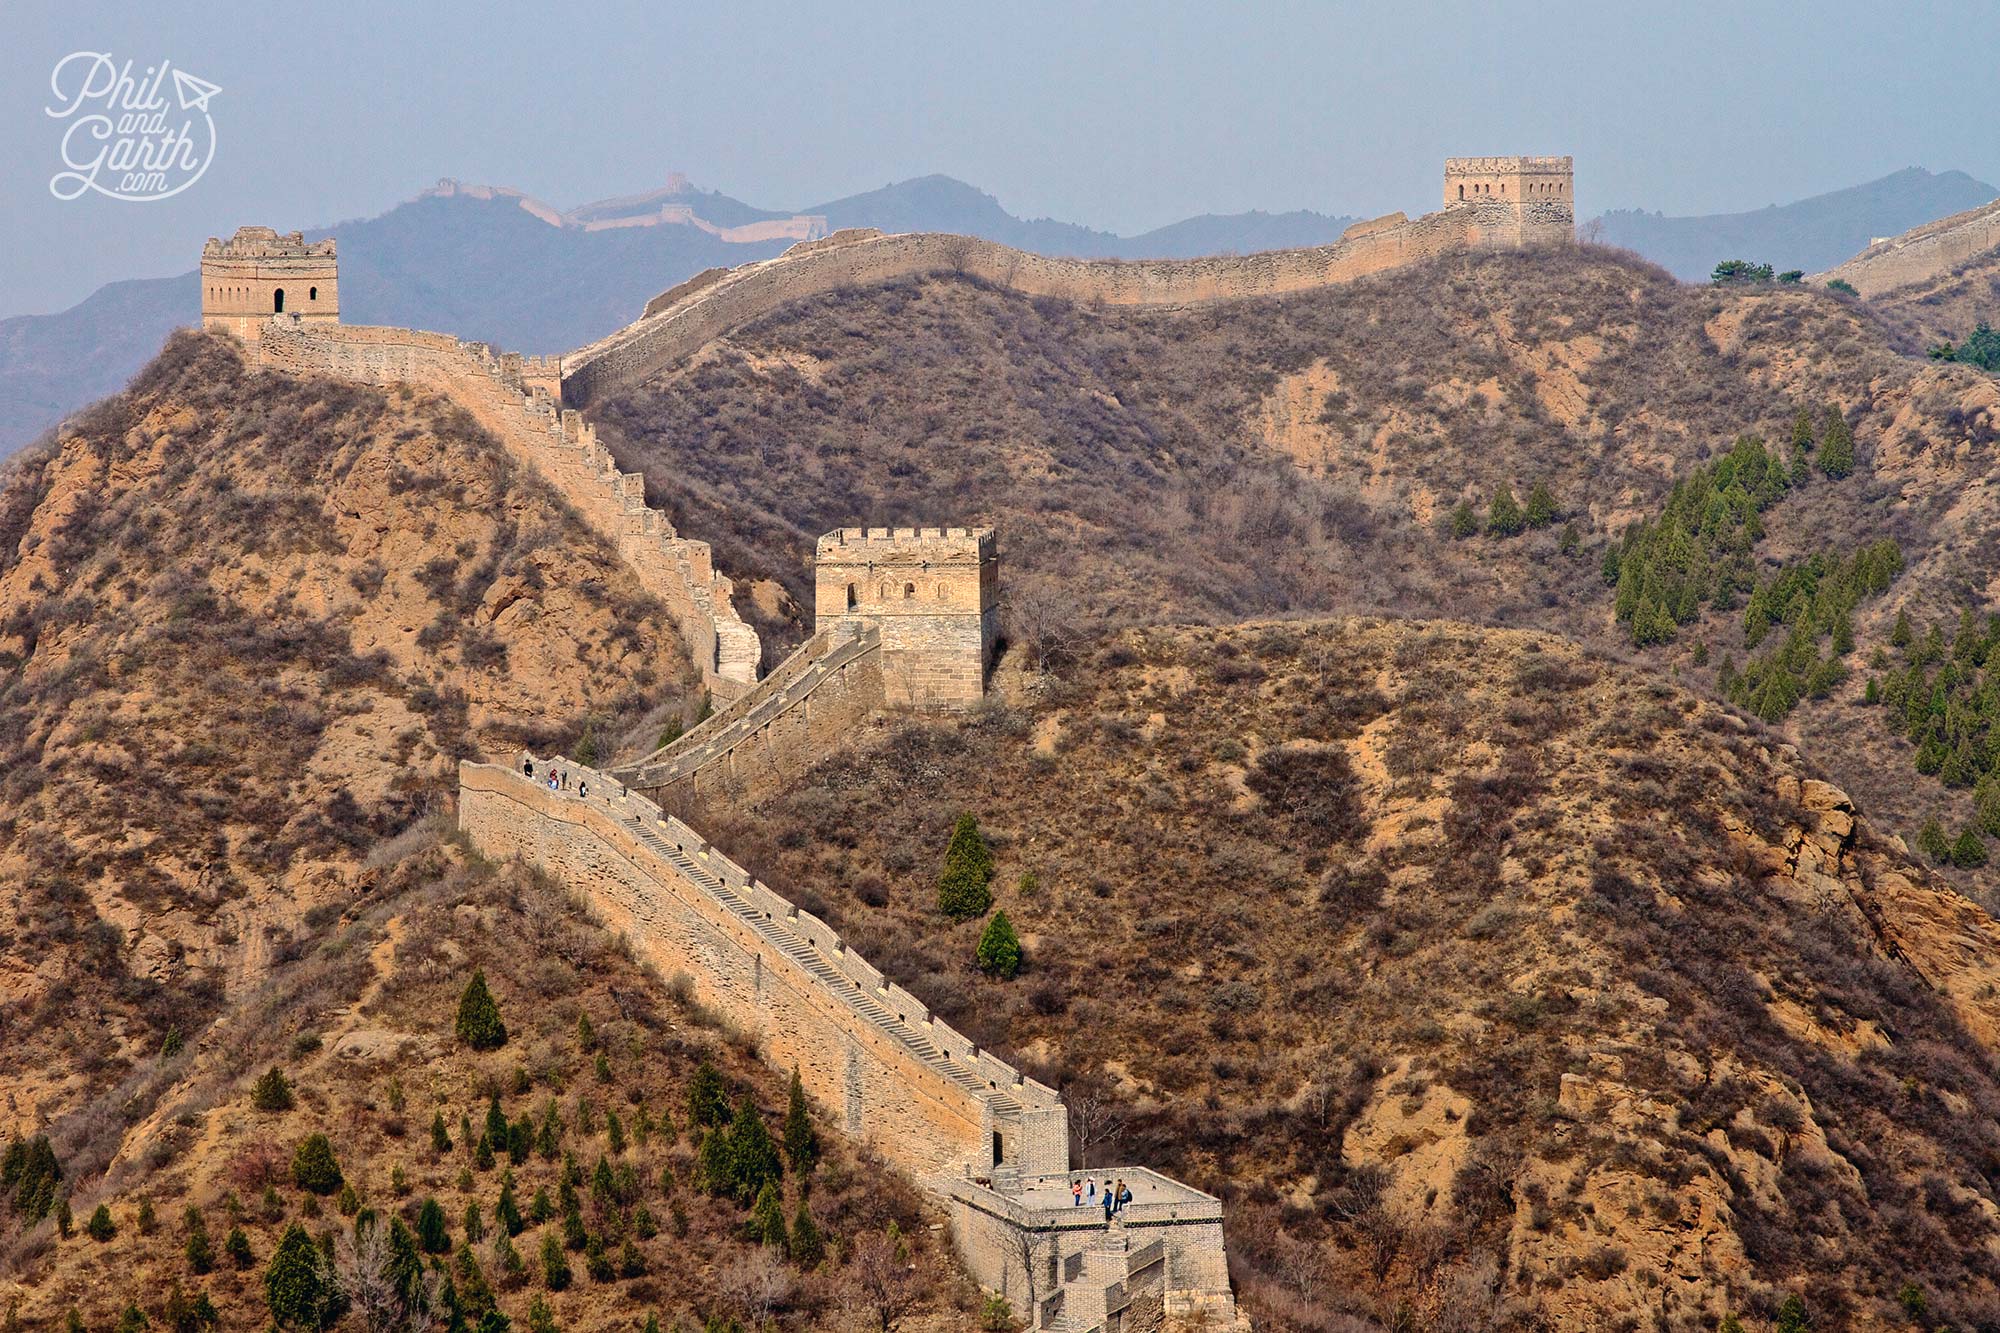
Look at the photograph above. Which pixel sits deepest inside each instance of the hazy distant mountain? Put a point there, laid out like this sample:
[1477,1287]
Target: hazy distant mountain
[498,265]
[495,264]
[1812,234]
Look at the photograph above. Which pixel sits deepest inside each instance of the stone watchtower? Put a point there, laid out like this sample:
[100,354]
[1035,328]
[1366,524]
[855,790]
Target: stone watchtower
[931,594]
[1539,194]
[257,273]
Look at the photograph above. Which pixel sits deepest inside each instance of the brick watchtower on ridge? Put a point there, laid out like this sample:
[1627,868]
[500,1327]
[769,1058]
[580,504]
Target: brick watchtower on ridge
[1539,193]
[257,273]
[931,594]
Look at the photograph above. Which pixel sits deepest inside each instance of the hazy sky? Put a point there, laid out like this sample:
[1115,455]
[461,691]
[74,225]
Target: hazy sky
[1118,116]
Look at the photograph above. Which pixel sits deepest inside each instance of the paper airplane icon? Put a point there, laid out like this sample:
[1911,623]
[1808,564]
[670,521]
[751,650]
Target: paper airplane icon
[194,93]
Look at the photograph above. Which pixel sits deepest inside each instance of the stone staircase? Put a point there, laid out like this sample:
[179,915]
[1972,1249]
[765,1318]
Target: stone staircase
[788,685]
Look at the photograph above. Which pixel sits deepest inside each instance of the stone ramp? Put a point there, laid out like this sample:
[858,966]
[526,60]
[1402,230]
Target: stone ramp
[798,713]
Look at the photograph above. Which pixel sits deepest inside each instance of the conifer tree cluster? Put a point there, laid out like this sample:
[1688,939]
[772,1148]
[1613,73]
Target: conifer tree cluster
[1946,698]
[30,1177]
[1813,599]
[1505,515]
[1698,552]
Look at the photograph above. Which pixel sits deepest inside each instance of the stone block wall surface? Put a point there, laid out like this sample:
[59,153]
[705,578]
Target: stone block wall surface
[887,1070]
[991,1142]
[932,595]
[806,708]
[509,396]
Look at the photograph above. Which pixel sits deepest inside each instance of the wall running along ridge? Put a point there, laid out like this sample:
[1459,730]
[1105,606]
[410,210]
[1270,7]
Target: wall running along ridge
[1924,253]
[991,1142]
[512,397]
[682,320]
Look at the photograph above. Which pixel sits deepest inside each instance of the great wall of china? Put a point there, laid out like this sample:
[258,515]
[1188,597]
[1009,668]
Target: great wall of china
[1536,207]
[905,618]
[1922,254]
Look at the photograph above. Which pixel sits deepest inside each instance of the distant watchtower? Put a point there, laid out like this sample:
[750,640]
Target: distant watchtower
[1539,193]
[931,594]
[257,273]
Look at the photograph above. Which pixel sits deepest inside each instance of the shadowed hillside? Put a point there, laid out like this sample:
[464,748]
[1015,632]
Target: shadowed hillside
[1493,985]
[1309,454]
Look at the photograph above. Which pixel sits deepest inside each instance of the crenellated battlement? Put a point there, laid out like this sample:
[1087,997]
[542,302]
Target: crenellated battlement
[937,545]
[931,594]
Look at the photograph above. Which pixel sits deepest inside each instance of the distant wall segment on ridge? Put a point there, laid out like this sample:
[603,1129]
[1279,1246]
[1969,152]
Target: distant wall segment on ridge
[1919,255]
[709,305]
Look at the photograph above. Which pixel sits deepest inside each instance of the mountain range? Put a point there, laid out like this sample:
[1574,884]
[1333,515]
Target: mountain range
[498,265]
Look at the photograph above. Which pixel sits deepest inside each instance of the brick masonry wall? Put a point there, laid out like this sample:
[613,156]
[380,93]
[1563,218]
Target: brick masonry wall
[868,1052]
[680,321]
[507,396]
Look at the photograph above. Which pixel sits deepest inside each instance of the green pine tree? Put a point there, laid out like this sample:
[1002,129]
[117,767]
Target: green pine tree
[297,1285]
[313,1166]
[555,1263]
[1802,430]
[808,1245]
[767,1218]
[800,1139]
[272,1091]
[100,1227]
[1836,451]
[1969,851]
[1932,842]
[507,1213]
[479,1024]
[1464,522]
[432,1233]
[237,1246]
[708,1103]
[964,887]
[1541,506]
[200,1254]
[440,1139]
[1503,516]
[1792,1317]
[999,951]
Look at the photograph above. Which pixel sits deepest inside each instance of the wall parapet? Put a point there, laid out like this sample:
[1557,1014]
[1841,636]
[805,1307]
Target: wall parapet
[514,398]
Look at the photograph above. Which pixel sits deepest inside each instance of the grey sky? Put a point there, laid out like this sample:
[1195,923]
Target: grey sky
[1118,116]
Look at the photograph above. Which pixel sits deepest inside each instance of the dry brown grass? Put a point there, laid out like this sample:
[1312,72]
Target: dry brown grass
[1302,887]
[250,623]
[1299,455]
[363,1026]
